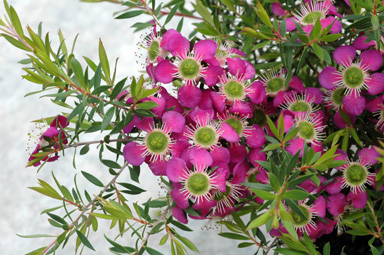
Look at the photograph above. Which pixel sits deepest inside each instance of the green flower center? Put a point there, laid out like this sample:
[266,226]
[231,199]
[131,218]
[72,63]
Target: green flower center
[275,85]
[205,136]
[235,124]
[356,175]
[297,219]
[234,90]
[300,106]
[337,96]
[157,142]
[353,77]
[189,68]
[311,18]
[259,118]
[154,50]
[307,130]
[198,184]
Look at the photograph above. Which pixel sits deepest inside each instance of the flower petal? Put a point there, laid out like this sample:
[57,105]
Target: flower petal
[175,169]
[179,215]
[354,104]
[174,121]
[336,204]
[376,84]
[328,77]
[158,167]
[239,172]
[256,92]
[344,54]
[220,155]
[206,49]
[256,154]
[212,74]
[368,156]
[189,96]
[238,152]
[236,66]
[228,133]
[359,199]
[371,59]
[200,157]
[361,44]
[249,70]
[165,71]
[255,136]
[133,153]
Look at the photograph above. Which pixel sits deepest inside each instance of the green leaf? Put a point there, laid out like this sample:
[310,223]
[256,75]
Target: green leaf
[286,251]
[16,43]
[271,147]
[260,220]
[16,22]
[171,14]
[117,89]
[233,236]
[110,163]
[147,105]
[57,218]
[134,190]
[272,127]
[153,251]
[84,240]
[295,207]
[330,38]
[315,32]
[262,14]
[107,118]
[318,51]
[203,11]
[35,236]
[84,150]
[188,243]
[104,62]
[130,14]
[264,194]
[327,249]
[296,194]
[77,69]
[92,179]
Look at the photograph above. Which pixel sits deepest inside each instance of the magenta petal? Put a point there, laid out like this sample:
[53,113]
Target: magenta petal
[174,121]
[359,199]
[164,71]
[189,95]
[200,157]
[239,172]
[255,136]
[245,109]
[175,169]
[212,74]
[205,49]
[151,72]
[228,133]
[158,167]
[238,52]
[336,27]
[180,198]
[296,144]
[339,122]
[179,215]
[238,152]
[344,54]
[374,104]
[59,122]
[145,123]
[296,84]
[368,156]
[308,185]
[178,147]
[371,59]
[355,105]
[206,102]
[256,154]
[328,77]
[218,101]
[316,94]
[290,24]
[158,110]
[360,43]
[249,70]
[288,122]
[178,45]
[202,116]
[319,207]
[168,35]
[256,92]
[133,153]
[336,204]
[236,66]
[51,132]
[277,10]
[220,155]
[376,84]
[262,176]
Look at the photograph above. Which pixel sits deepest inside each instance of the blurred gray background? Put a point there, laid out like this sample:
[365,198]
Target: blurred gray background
[20,206]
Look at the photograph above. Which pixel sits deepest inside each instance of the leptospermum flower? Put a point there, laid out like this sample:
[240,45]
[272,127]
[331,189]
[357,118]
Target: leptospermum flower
[356,176]
[300,104]
[206,133]
[195,184]
[187,65]
[310,131]
[157,142]
[317,209]
[353,77]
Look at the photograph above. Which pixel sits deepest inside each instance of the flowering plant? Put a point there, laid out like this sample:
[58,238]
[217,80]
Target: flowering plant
[265,121]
